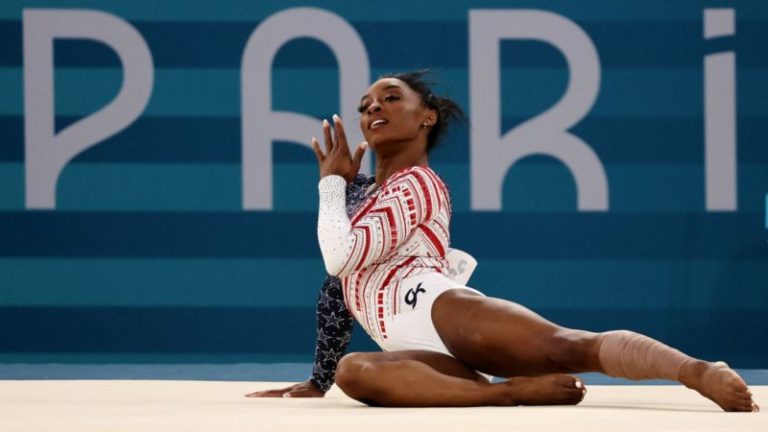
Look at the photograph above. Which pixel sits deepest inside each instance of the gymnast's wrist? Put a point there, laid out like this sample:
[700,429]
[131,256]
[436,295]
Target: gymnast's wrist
[314,383]
[332,182]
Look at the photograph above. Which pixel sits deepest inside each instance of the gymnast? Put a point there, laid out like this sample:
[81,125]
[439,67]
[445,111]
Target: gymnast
[384,242]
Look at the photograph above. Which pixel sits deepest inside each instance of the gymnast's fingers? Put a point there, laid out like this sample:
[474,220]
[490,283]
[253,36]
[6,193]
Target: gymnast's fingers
[341,137]
[327,136]
[316,149]
[359,153]
[267,393]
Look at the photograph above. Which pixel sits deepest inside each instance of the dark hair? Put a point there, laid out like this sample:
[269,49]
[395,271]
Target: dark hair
[447,109]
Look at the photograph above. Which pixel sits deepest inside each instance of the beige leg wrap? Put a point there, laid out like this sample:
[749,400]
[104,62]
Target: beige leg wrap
[625,354]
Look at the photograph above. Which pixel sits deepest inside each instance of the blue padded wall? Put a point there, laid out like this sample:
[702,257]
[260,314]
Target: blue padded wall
[149,250]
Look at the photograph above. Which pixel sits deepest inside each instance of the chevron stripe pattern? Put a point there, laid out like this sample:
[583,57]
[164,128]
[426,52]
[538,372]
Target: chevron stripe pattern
[400,231]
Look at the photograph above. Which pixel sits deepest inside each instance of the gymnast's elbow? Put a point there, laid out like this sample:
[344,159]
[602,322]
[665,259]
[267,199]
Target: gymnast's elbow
[334,265]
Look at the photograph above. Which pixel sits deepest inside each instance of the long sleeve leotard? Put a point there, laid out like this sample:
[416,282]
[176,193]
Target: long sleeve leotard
[400,230]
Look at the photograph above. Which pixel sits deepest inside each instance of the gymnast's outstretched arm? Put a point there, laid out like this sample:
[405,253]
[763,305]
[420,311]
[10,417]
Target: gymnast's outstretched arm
[334,322]
[334,331]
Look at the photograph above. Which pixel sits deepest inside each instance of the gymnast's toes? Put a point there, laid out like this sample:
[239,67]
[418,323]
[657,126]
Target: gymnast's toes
[556,389]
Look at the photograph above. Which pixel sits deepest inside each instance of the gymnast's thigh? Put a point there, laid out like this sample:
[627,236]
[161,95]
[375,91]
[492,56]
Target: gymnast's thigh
[497,336]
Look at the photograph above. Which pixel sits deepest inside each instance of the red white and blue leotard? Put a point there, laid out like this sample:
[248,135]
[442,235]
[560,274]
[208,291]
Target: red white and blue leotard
[400,231]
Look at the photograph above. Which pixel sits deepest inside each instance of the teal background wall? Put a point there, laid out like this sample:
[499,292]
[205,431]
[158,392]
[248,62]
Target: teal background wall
[150,254]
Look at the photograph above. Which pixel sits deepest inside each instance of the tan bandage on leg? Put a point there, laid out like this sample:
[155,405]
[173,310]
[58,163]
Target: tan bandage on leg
[626,354]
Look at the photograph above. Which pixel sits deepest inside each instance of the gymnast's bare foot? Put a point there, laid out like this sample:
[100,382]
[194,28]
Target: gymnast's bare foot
[719,383]
[554,389]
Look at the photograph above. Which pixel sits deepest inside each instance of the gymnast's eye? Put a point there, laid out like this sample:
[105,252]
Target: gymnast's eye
[362,108]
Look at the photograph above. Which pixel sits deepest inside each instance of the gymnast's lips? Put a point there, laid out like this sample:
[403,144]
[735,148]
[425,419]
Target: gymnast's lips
[377,123]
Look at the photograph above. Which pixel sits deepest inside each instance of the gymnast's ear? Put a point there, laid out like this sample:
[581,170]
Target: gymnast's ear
[430,118]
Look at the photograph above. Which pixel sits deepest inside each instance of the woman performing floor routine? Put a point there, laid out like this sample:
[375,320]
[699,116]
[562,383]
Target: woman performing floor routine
[384,242]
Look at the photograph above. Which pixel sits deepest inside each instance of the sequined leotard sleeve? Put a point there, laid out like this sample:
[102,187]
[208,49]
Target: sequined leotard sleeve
[334,322]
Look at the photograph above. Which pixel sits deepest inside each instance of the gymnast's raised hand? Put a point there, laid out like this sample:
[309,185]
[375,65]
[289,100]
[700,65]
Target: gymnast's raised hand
[337,159]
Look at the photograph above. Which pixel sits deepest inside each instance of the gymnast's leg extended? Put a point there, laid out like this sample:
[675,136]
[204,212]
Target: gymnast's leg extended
[506,339]
[419,378]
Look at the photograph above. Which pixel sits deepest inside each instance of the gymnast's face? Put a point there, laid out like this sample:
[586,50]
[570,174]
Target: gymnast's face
[392,113]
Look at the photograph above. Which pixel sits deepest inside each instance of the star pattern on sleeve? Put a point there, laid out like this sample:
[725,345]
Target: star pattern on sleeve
[325,300]
[324,339]
[333,321]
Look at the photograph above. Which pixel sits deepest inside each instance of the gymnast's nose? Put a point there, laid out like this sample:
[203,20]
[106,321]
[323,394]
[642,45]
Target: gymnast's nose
[374,107]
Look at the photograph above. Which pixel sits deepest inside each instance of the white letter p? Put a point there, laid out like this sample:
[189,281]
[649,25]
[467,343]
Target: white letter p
[47,153]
